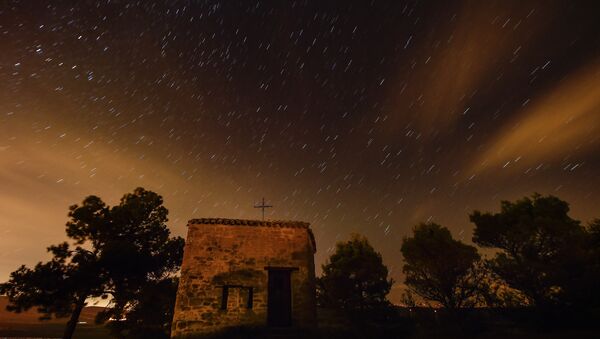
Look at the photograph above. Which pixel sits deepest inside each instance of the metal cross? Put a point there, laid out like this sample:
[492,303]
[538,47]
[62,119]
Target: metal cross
[262,206]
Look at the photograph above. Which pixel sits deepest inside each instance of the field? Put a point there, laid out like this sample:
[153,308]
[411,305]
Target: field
[27,324]
[51,330]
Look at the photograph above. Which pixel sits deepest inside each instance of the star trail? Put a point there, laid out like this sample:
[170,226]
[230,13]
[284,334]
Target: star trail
[355,116]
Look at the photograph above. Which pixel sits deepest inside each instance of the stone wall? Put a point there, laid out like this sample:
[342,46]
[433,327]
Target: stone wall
[225,252]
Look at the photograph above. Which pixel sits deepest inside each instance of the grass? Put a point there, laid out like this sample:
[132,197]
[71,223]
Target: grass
[52,330]
[27,324]
[87,331]
[421,324]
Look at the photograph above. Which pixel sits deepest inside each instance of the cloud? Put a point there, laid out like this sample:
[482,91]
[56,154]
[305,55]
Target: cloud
[42,175]
[562,122]
[456,60]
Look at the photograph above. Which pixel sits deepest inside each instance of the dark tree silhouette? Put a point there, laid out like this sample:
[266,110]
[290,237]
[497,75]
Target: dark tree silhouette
[115,251]
[583,288]
[439,268]
[354,279]
[542,249]
[594,246]
[150,314]
[59,287]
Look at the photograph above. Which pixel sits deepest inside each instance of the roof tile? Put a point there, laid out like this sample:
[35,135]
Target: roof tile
[266,223]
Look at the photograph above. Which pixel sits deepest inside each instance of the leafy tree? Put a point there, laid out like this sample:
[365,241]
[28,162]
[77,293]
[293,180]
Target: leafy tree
[150,314]
[114,251]
[541,248]
[439,268]
[494,292]
[355,278]
[59,287]
[583,288]
[408,299]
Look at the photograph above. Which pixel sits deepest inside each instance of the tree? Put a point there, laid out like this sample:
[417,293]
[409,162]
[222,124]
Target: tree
[494,292]
[582,288]
[114,251]
[408,299]
[59,287]
[541,248]
[355,278]
[593,243]
[150,314]
[439,268]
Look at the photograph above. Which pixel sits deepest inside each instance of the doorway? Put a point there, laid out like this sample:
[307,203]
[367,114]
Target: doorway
[279,298]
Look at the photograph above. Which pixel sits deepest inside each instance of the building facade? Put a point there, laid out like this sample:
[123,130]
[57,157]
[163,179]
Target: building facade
[245,273]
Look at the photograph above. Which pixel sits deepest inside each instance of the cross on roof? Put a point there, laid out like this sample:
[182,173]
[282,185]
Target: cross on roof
[262,206]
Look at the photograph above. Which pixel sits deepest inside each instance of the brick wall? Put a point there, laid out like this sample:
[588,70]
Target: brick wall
[234,253]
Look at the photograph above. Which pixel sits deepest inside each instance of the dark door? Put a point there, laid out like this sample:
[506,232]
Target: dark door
[279,304]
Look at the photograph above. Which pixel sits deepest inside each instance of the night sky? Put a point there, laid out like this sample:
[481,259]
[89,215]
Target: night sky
[355,116]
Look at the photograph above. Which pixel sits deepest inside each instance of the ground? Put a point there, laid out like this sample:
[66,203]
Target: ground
[27,325]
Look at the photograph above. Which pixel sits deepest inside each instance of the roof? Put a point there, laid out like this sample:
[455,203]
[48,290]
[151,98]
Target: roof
[259,223]
[266,223]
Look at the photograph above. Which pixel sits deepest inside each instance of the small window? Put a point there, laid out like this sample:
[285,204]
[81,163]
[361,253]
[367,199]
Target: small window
[224,297]
[250,298]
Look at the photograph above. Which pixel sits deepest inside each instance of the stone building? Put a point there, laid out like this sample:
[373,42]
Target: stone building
[245,272]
